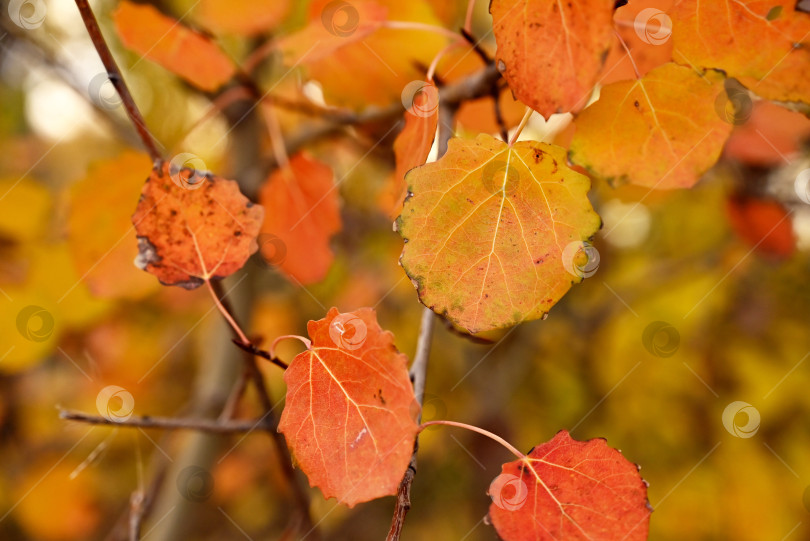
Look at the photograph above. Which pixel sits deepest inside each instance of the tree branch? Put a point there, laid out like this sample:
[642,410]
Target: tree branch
[117,79]
[164,423]
[418,374]
[474,86]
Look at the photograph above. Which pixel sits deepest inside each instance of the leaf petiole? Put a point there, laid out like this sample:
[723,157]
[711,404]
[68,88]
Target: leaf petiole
[472,428]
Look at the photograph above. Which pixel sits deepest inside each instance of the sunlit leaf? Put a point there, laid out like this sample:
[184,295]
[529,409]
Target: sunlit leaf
[662,131]
[494,234]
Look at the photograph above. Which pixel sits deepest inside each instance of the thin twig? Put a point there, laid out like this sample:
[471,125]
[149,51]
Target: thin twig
[253,350]
[136,510]
[473,86]
[163,423]
[418,375]
[117,79]
[270,424]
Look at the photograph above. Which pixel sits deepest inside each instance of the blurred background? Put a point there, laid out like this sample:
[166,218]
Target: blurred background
[686,346]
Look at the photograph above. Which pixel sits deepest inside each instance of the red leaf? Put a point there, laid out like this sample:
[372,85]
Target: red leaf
[765,225]
[193,226]
[568,489]
[350,411]
[302,215]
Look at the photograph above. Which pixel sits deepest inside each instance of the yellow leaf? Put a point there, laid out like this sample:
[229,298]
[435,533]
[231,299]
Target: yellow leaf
[642,132]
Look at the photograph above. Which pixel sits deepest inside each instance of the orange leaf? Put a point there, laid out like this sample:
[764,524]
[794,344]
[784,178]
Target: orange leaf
[573,490]
[412,145]
[337,25]
[647,31]
[640,132]
[375,69]
[770,135]
[302,215]
[550,52]
[493,234]
[101,241]
[350,411]
[763,224]
[241,17]
[193,227]
[177,48]
[763,44]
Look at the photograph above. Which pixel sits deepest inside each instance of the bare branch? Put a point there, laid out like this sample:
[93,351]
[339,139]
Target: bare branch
[164,423]
[117,79]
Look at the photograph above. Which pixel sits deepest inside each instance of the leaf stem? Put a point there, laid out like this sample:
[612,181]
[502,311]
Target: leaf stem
[469,16]
[226,314]
[629,55]
[523,122]
[473,428]
[307,342]
[117,79]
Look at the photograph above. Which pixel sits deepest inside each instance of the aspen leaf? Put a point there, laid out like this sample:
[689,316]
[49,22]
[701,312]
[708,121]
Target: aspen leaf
[177,48]
[25,207]
[302,215]
[337,25]
[771,134]
[765,45]
[241,17]
[412,145]
[646,30]
[550,52]
[101,239]
[373,70]
[662,131]
[350,411]
[493,234]
[573,490]
[763,224]
[193,226]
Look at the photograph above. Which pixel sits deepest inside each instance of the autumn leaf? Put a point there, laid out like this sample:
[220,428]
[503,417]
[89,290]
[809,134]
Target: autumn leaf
[770,135]
[765,45]
[302,215]
[550,52]
[177,48]
[338,24]
[763,224]
[568,489]
[494,234]
[350,411]
[193,226]
[646,30]
[101,241]
[375,69]
[240,17]
[662,131]
[412,145]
